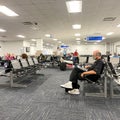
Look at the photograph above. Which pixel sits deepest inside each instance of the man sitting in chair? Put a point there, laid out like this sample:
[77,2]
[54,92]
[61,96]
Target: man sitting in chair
[93,73]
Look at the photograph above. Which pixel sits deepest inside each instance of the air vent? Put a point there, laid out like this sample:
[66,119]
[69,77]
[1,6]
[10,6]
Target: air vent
[27,23]
[109,19]
[3,36]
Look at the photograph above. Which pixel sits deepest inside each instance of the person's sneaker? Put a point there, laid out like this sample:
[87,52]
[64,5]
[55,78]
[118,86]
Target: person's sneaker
[67,85]
[61,59]
[74,92]
[117,81]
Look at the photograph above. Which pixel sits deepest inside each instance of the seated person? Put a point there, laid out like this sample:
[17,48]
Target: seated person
[66,61]
[78,74]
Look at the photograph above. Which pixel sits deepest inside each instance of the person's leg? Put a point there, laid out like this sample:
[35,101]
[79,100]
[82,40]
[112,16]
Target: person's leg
[73,80]
[74,76]
[93,78]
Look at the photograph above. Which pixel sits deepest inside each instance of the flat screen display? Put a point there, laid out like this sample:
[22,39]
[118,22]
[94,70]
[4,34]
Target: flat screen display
[27,49]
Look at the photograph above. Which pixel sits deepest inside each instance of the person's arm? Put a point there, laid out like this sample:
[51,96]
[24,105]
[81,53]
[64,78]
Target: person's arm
[87,66]
[91,72]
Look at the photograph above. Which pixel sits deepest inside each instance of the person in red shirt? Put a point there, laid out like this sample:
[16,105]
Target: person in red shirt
[75,57]
[75,54]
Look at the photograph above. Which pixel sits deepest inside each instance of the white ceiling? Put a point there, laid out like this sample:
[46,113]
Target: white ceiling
[52,17]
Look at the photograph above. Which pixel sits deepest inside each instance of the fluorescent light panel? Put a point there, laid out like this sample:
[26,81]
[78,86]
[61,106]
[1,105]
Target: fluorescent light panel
[76,26]
[2,30]
[59,42]
[74,6]
[47,35]
[118,25]
[33,39]
[77,34]
[110,33]
[77,38]
[21,36]
[7,11]
[55,39]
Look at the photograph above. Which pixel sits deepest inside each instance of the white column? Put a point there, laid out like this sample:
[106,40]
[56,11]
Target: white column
[39,44]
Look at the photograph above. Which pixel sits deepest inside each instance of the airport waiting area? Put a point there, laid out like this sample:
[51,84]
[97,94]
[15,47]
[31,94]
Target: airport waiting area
[59,60]
[30,90]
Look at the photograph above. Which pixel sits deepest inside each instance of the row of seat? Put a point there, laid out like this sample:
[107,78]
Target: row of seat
[109,81]
[20,68]
[89,59]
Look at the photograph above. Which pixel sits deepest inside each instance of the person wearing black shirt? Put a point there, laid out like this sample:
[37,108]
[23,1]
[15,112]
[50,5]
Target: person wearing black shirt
[92,72]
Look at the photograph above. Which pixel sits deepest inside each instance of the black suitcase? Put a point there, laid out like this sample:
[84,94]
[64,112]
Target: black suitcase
[63,66]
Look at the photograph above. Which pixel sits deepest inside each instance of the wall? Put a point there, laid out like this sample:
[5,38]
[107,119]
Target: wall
[117,47]
[19,47]
[87,49]
[11,47]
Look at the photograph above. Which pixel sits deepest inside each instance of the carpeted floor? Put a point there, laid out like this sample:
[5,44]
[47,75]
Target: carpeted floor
[43,99]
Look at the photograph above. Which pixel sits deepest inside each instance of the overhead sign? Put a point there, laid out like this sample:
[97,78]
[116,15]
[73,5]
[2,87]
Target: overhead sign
[64,46]
[94,38]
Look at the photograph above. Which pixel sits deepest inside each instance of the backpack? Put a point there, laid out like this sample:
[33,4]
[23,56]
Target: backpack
[63,66]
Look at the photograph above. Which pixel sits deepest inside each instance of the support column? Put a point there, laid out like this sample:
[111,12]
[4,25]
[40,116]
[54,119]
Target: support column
[39,45]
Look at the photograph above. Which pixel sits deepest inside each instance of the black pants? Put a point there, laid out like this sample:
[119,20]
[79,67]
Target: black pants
[76,75]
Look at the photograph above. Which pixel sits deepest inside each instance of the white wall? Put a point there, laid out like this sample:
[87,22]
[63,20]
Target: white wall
[39,45]
[117,47]
[47,51]
[11,47]
[87,49]
[18,47]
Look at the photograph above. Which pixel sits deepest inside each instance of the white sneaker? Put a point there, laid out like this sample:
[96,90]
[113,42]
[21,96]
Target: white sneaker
[117,81]
[74,92]
[61,59]
[67,85]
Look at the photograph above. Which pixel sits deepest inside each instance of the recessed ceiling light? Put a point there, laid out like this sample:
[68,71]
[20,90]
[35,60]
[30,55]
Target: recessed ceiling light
[118,25]
[59,42]
[47,35]
[110,33]
[55,39]
[7,11]
[33,39]
[77,38]
[2,30]
[77,34]
[76,26]
[21,36]
[74,6]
